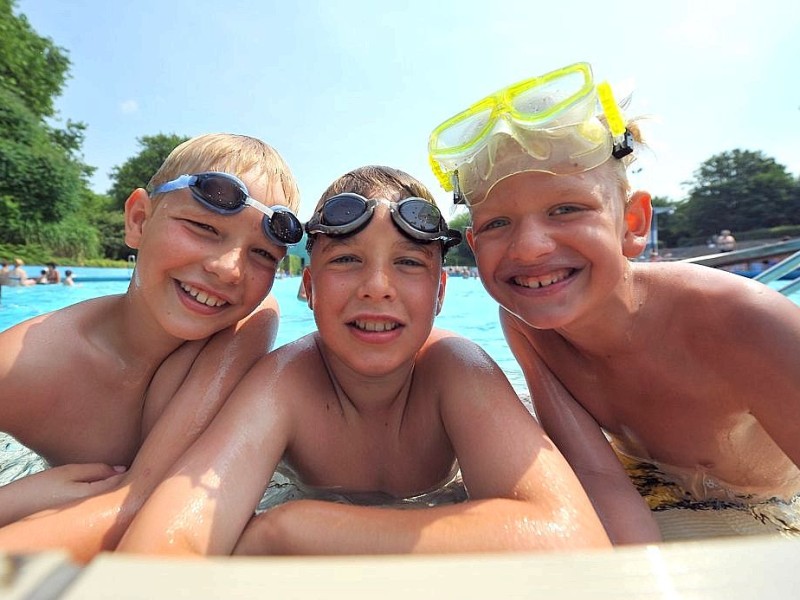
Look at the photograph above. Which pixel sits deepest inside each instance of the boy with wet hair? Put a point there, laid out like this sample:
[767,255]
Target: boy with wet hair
[689,372]
[155,362]
[375,405]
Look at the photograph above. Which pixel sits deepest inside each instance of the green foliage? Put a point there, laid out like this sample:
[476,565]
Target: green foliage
[69,237]
[137,170]
[461,255]
[30,65]
[38,180]
[739,190]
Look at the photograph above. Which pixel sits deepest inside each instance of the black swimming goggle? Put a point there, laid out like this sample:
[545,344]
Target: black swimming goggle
[225,194]
[348,213]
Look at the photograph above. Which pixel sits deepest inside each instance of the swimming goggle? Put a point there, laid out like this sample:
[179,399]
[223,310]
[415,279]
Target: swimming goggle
[548,123]
[227,195]
[348,213]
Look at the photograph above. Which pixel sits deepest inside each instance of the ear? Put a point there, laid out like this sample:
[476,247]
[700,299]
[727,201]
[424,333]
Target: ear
[470,239]
[138,208]
[308,288]
[440,295]
[638,214]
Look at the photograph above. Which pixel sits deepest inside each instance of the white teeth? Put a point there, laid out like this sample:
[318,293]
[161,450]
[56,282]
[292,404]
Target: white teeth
[201,296]
[544,280]
[376,325]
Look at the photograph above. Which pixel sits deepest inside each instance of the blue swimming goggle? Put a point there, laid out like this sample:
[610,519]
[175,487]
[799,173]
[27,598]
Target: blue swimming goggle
[225,194]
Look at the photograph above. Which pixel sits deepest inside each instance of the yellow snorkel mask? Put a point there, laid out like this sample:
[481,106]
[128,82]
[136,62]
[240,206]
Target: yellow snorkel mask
[548,123]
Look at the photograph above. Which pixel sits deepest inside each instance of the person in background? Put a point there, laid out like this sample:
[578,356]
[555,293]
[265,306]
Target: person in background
[725,241]
[18,276]
[53,276]
[375,403]
[679,372]
[157,361]
[4,273]
[68,278]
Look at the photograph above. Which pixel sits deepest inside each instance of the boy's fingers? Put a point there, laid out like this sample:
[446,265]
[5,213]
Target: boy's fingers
[91,472]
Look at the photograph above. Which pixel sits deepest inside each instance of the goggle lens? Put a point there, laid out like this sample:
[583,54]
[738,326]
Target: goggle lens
[222,193]
[421,215]
[342,210]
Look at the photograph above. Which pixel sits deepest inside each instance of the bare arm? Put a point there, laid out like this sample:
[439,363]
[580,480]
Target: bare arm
[764,366]
[97,523]
[523,495]
[208,498]
[624,513]
[54,487]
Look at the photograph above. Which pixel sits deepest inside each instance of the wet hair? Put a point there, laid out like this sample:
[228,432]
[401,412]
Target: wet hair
[237,155]
[375,181]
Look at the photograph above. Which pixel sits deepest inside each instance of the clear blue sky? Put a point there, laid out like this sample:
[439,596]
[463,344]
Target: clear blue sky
[336,85]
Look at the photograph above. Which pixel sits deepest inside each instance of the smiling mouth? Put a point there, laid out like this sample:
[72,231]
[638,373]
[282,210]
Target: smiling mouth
[376,326]
[543,281]
[203,297]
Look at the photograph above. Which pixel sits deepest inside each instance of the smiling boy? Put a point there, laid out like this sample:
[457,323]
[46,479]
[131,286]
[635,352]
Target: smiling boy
[687,369]
[154,363]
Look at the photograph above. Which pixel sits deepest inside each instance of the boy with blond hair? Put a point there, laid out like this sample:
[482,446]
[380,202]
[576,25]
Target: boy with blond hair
[153,363]
[690,372]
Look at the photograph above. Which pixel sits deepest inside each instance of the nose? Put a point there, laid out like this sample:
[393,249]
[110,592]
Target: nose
[377,284]
[228,265]
[531,240]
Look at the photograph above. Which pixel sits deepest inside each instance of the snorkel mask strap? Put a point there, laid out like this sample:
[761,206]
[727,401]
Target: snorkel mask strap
[458,197]
[621,135]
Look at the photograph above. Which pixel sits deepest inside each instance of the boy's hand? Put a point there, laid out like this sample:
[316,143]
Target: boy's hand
[54,487]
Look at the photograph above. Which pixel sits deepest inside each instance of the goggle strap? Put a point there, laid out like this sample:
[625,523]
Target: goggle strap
[259,206]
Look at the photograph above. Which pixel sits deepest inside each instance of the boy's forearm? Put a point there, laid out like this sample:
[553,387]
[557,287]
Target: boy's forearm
[308,527]
[83,528]
[622,510]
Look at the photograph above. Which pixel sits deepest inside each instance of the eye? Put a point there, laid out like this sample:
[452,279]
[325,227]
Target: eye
[344,259]
[493,224]
[567,209]
[200,225]
[408,261]
[266,256]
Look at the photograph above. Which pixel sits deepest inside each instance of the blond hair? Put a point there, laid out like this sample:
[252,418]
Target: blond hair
[229,153]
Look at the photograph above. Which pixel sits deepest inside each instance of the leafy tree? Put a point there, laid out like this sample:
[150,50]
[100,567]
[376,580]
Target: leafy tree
[461,255]
[137,170]
[739,190]
[30,65]
[39,182]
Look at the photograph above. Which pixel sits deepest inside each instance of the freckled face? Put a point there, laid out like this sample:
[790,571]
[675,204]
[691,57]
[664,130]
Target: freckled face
[549,247]
[199,272]
[375,295]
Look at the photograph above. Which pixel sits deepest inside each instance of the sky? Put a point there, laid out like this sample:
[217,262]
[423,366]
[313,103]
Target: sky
[340,84]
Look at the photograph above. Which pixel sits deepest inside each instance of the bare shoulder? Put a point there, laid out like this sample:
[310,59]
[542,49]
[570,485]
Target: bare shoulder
[747,321]
[728,298]
[445,347]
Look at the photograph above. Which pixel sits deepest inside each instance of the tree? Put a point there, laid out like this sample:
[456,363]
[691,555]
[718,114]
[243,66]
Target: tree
[739,190]
[462,254]
[39,181]
[31,66]
[137,170]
